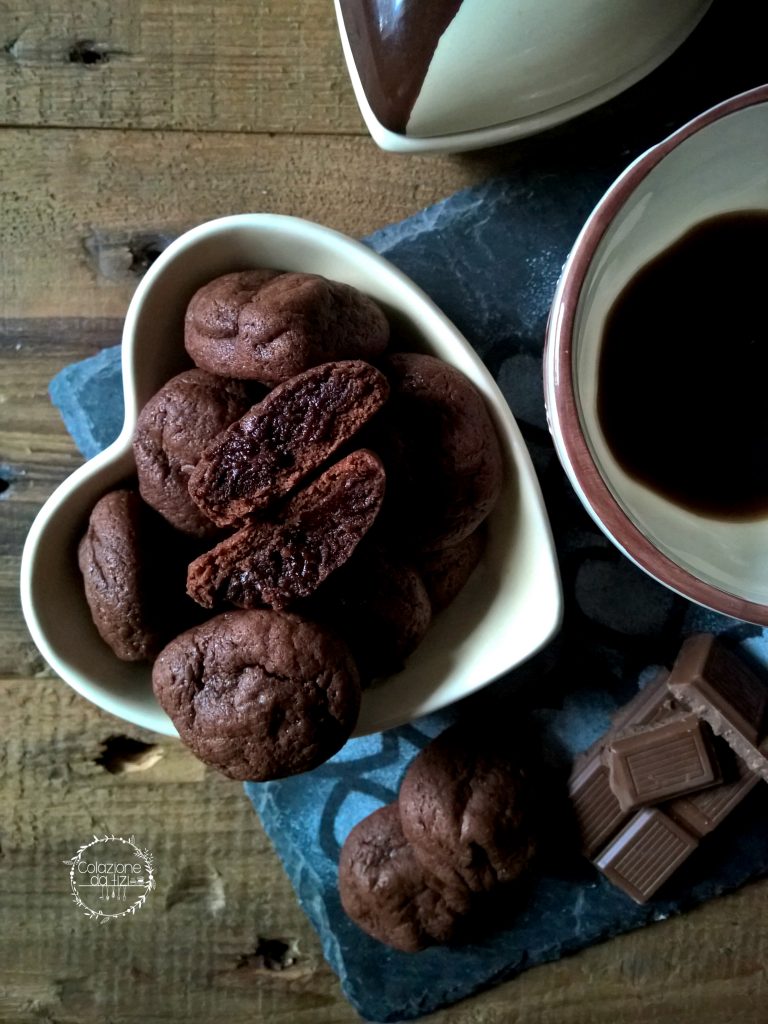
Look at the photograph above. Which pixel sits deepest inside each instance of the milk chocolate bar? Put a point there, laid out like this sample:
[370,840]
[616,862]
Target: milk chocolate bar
[639,851]
[651,704]
[721,689]
[645,853]
[653,764]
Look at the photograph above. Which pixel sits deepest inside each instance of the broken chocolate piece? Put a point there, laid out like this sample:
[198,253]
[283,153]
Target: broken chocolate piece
[700,813]
[657,762]
[646,853]
[720,688]
[651,704]
[598,812]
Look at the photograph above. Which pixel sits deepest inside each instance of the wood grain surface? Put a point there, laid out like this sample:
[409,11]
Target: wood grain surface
[233,66]
[121,125]
[81,208]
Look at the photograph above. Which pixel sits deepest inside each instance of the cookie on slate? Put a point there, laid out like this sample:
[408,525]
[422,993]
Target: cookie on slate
[259,694]
[441,452]
[385,890]
[380,605]
[284,438]
[131,576]
[268,326]
[280,561]
[171,432]
[465,809]
[447,570]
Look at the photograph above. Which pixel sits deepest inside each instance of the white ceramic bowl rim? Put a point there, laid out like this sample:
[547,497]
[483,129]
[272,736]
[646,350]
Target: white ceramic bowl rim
[471,643]
[559,360]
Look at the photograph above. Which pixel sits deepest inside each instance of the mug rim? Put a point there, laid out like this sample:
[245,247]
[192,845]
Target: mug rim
[560,392]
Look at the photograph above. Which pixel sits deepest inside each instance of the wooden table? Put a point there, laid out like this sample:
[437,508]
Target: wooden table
[123,123]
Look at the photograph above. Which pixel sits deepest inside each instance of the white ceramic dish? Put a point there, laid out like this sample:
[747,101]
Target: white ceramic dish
[715,164]
[498,70]
[511,606]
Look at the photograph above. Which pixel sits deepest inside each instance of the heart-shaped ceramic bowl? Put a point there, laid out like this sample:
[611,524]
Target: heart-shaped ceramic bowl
[509,609]
[715,164]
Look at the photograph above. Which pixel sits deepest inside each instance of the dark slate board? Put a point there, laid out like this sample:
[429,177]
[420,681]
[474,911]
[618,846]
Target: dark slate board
[490,257]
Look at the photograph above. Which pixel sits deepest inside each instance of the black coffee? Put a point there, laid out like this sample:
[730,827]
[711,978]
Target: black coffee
[683,375]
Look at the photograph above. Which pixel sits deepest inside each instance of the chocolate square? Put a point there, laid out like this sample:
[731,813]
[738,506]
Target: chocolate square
[701,813]
[721,689]
[645,853]
[653,764]
[595,806]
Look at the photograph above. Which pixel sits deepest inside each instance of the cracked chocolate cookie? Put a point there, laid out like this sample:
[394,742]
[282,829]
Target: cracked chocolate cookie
[280,561]
[259,694]
[287,436]
[268,326]
[464,807]
[129,591]
[387,892]
[441,452]
[171,432]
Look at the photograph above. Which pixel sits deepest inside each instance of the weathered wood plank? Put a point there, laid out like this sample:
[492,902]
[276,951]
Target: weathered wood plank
[83,211]
[247,65]
[36,453]
[216,885]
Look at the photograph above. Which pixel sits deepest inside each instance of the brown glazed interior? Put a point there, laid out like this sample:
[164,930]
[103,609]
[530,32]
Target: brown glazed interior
[598,495]
[393,44]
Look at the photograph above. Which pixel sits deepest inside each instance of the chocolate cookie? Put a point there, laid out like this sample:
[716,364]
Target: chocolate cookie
[387,892]
[277,562]
[288,435]
[171,432]
[464,807]
[380,605]
[269,326]
[442,455]
[129,575]
[259,694]
[446,571]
